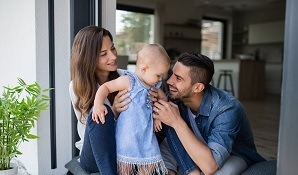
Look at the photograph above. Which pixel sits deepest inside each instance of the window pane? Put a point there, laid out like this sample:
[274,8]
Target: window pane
[133,31]
[212,39]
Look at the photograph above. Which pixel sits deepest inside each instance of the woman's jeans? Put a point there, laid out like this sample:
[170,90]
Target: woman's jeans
[99,148]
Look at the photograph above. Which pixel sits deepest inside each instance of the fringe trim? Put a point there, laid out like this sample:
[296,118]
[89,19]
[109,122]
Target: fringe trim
[139,161]
[142,167]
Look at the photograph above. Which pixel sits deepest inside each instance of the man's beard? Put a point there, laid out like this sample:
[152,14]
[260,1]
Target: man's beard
[181,95]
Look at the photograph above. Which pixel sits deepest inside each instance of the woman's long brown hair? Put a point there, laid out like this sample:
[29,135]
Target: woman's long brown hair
[84,60]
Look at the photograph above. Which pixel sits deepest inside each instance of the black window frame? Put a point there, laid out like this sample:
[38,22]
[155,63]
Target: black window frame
[224,31]
[135,9]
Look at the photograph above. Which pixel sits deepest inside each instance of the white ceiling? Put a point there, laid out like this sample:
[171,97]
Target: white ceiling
[239,5]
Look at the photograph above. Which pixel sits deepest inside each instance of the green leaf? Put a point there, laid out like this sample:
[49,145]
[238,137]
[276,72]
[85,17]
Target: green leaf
[45,97]
[48,89]
[21,82]
[31,136]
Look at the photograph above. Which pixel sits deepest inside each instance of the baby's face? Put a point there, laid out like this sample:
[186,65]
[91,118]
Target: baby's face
[155,73]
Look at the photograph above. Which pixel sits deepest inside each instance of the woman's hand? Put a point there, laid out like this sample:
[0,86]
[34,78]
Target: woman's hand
[121,102]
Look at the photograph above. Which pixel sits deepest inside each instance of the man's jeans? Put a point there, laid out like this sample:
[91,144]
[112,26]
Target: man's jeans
[99,148]
[186,164]
[174,154]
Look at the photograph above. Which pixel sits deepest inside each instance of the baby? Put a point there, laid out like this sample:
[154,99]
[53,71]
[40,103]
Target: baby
[137,147]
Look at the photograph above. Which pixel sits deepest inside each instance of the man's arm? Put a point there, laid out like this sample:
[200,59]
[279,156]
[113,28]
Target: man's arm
[201,154]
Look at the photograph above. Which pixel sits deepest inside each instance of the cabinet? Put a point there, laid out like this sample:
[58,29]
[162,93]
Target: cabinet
[251,80]
[270,32]
[182,37]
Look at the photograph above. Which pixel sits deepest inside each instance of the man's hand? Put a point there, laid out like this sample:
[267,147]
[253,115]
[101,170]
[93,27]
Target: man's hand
[166,112]
[156,94]
[153,95]
[99,112]
[201,154]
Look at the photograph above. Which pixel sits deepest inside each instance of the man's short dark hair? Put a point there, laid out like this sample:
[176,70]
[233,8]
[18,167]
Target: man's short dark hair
[201,67]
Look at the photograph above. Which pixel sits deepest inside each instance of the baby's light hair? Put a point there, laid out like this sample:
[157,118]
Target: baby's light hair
[151,54]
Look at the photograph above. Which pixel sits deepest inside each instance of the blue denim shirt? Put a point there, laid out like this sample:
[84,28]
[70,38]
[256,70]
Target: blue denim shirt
[222,121]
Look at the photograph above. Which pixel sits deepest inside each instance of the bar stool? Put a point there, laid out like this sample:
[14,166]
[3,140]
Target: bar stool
[226,73]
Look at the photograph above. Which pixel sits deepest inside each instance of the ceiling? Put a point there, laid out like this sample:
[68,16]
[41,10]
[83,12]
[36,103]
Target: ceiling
[239,5]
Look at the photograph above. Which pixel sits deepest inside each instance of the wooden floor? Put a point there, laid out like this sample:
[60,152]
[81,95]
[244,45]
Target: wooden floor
[264,120]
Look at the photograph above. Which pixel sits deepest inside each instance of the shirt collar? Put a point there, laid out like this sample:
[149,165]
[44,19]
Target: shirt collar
[205,107]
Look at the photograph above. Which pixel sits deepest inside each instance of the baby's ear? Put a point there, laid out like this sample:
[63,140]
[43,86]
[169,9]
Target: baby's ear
[144,68]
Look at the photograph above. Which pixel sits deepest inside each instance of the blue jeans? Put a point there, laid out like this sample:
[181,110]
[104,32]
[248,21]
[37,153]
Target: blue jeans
[99,148]
[184,161]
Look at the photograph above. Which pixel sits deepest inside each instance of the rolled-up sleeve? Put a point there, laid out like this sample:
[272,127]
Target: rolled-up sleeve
[224,130]
[219,153]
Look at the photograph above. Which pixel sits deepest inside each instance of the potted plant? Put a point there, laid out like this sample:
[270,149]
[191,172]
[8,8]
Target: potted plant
[20,107]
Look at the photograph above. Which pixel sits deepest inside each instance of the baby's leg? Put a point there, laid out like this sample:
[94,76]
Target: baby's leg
[146,169]
[125,169]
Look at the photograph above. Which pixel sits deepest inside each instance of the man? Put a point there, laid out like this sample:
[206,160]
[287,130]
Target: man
[207,128]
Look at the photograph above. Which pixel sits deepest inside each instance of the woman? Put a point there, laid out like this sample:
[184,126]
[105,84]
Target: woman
[94,62]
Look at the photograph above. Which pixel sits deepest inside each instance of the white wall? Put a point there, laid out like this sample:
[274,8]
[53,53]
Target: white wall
[18,57]
[17,43]
[62,79]
[109,16]
[24,52]
[288,139]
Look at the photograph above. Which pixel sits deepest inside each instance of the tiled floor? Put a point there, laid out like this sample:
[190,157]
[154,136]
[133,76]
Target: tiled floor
[264,119]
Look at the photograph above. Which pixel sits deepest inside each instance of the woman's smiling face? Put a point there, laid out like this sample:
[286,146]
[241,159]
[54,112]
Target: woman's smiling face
[107,60]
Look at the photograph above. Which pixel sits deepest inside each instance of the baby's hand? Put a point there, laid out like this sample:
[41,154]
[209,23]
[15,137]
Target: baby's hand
[157,125]
[99,111]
